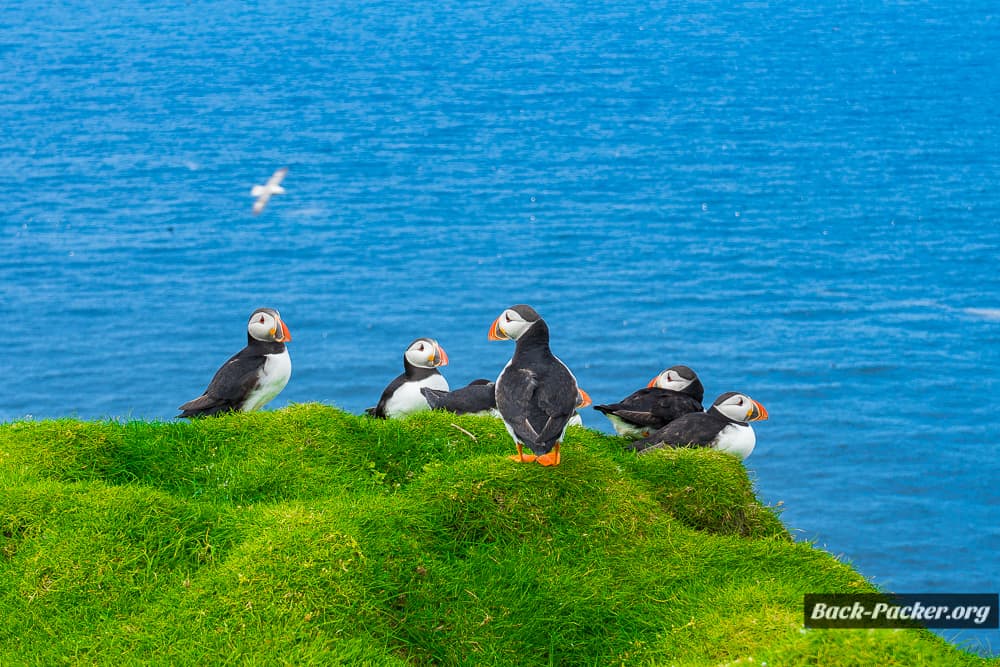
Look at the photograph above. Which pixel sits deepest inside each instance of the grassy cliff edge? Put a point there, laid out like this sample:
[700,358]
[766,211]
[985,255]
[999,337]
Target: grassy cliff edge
[311,536]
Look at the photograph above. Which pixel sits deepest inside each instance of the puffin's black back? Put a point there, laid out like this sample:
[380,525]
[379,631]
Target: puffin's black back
[696,429]
[477,396]
[653,407]
[536,394]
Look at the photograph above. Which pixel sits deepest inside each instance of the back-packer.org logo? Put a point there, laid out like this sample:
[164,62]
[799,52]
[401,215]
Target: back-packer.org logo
[910,610]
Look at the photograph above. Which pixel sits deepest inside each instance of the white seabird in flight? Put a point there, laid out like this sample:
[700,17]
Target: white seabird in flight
[272,187]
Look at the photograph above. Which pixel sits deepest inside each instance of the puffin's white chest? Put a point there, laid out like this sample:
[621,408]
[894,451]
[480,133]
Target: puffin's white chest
[736,439]
[407,398]
[274,376]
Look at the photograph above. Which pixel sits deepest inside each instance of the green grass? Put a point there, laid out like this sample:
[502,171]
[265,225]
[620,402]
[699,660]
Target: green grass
[311,536]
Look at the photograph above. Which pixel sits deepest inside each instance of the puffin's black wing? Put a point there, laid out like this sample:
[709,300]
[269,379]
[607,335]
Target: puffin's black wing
[379,409]
[229,387]
[478,396]
[636,408]
[652,407]
[537,408]
[695,429]
[668,405]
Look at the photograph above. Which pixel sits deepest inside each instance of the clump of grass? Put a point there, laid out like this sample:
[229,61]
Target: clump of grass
[716,498]
[308,535]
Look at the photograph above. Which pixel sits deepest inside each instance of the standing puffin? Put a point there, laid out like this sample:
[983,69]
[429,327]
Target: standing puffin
[536,393]
[725,426]
[254,375]
[476,398]
[674,392]
[420,369]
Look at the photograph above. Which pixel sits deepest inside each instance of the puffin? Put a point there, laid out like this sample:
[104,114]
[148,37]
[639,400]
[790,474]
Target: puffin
[251,377]
[724,426]
[476,398]
[536,393]
[420,369]
[674,392]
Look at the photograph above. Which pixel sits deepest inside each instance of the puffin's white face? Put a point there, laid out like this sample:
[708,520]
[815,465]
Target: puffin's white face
[671,379]
[510,325]
[266,325]
[741,408]
[426,353]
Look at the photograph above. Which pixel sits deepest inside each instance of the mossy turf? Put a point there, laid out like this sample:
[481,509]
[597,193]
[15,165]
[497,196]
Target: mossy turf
[311,536]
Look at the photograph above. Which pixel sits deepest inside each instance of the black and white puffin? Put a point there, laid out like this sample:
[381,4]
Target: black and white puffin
[420,369]
[724,426]
[536,393]
[254,375]
[674,392]
[476,398]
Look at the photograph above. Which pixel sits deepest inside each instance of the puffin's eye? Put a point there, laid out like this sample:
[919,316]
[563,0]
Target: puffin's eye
[506,317]
[420,348]
[261,320]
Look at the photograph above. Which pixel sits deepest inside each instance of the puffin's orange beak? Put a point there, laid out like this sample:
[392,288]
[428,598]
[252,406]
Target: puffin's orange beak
[652,383]
[583,400]
[758,413]
[495,332]
[440,356]
[286,335]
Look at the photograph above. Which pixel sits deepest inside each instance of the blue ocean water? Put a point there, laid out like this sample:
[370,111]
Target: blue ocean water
[799,202]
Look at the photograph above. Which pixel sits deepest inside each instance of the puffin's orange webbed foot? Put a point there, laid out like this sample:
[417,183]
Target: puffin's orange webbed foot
[550,459]
[521,457]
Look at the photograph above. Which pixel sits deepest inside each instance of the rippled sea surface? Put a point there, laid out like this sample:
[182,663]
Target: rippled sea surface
[801,203]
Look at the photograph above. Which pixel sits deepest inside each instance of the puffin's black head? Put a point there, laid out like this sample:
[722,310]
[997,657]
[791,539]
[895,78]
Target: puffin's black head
[425,353]
[738,407]
[682,379]
[266,325]
[514,322]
